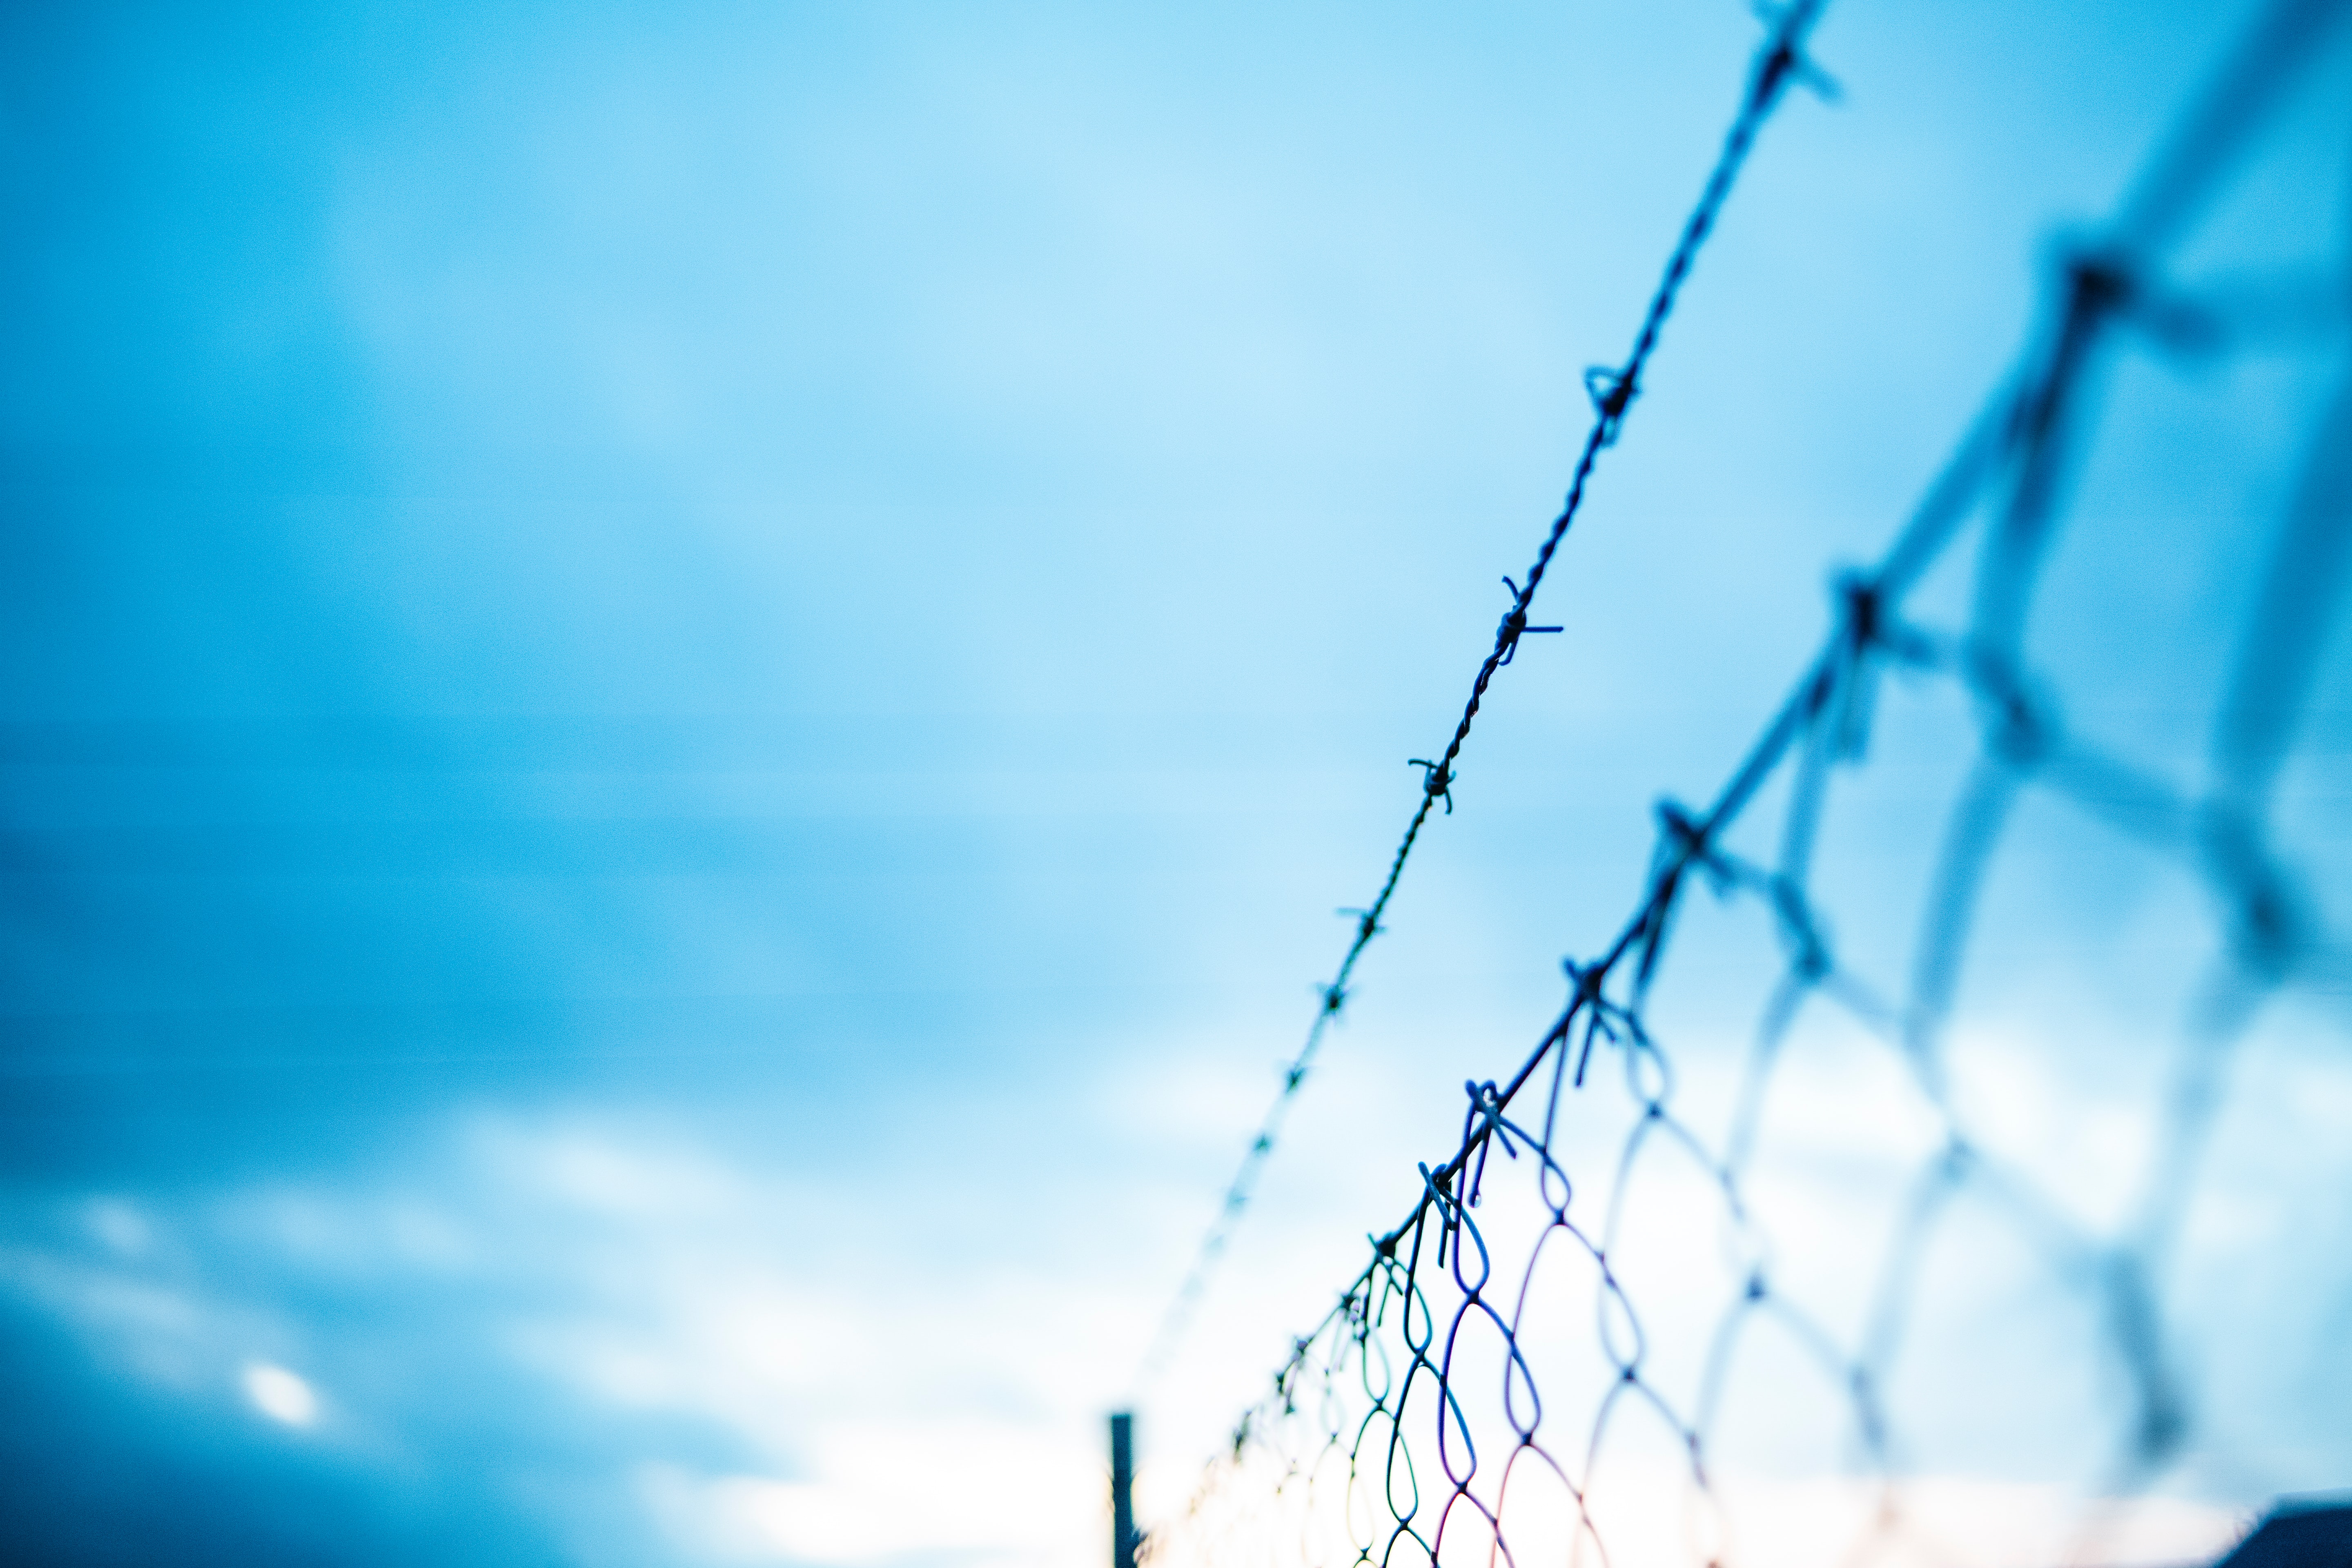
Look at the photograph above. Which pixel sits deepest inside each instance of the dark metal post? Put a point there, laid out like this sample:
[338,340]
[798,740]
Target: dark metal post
[1123,1538]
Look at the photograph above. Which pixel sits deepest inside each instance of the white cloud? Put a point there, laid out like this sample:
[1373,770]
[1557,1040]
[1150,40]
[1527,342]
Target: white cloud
[282,1395]
[885,1489]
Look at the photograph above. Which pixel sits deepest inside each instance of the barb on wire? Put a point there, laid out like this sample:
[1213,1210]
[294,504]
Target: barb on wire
[1444,1409]
[1515,625]
[1781,62]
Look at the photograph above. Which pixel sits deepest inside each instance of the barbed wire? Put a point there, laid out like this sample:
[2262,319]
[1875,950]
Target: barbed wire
[1410,1425]
[1779,64]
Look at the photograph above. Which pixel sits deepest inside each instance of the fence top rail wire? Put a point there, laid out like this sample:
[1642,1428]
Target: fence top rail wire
[1780,63]
[2013,452]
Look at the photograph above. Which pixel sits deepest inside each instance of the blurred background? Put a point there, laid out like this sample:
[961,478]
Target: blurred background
[687,690]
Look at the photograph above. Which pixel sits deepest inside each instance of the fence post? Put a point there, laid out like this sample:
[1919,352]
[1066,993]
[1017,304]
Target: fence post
[1122,1490]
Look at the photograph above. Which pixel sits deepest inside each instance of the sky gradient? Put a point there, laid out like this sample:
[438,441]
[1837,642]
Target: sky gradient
[688,693]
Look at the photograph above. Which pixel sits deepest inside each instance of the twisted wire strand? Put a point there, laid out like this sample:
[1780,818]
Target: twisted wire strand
[1368,1448]
[1780,63]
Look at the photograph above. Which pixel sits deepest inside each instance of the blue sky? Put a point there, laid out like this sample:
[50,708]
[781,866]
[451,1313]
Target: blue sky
[689,692]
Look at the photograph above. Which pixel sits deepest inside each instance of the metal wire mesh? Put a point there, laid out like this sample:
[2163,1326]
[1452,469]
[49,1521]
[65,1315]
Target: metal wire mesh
[1547,1358]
